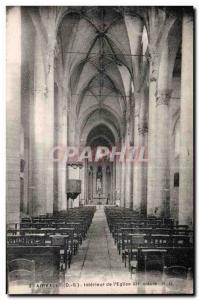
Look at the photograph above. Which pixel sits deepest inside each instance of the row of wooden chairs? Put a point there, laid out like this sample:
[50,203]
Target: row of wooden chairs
[60,240]
[147,243]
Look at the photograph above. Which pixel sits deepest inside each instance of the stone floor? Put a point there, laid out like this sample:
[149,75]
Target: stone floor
[98,269]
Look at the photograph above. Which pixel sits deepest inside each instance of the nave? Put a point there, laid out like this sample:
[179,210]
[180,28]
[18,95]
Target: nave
[120,253]
[98,261]
[101,267]
[99,149]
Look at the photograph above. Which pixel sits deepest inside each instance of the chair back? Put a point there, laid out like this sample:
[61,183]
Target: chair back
[176,272]
[137,240]
[21,271]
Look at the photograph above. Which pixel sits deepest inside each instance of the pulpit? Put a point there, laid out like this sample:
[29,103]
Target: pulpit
[73,188]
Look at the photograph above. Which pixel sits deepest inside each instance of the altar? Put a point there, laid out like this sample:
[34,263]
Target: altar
[100,183]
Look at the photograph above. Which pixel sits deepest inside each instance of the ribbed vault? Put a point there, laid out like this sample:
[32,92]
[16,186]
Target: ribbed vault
[94,46]
[100,135]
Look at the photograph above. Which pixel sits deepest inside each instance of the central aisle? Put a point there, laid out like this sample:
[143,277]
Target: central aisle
[102,260]
[98,268]
[97,261]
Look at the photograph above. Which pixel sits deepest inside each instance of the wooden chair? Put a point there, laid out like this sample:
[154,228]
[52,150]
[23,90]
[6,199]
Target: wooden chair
[154,259]
[21,272]
[136,241]
[177,280]
[25,240]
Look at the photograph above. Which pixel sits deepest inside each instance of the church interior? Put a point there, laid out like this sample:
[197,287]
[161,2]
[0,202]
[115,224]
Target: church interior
[112,80]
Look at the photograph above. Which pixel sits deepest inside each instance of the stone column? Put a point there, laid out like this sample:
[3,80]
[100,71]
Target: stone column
[57,133]
[123,180]
[128,172]
[128,159]
[113,196]
[151,179]
[49,133]
[142,163]
[128,191]
[26,172]
[118,179]
[62,144]
[86,181]
[162,183]
[136,197]
[38,205]
[186,121]
[122,166]
[162,196]
[135,28]
[13,113]
[82,177]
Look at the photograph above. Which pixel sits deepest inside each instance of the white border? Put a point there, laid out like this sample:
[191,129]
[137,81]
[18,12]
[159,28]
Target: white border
[101,2]
[4,3]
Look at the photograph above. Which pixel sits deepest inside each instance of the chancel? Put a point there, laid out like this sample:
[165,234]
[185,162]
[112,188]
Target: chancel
[99,166]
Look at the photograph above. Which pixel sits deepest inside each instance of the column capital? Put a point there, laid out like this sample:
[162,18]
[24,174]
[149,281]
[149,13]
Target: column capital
[163,98]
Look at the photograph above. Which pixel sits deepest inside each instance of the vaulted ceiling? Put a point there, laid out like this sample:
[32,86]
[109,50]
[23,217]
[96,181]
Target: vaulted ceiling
[94,45]
[101,59]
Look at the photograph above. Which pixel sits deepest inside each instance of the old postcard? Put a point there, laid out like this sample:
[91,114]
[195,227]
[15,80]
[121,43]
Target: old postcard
[99,152]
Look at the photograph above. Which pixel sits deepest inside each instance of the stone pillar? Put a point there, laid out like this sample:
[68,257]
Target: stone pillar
[122,200]
[38,205]
[57,133]
[82,177]
[151,179]
[118,180]
[142,163]
[49,133]
[64,185]
[61,142]
[129,183]
[186,121]
[64,170]
[134,26]
[128,159]
[86,181]
[136,197]
[13,113]
[26,172]
[162,196]
[128,172]
[113,184]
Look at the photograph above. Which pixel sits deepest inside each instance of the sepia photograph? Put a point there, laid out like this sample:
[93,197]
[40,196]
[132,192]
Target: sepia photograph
[100,150]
